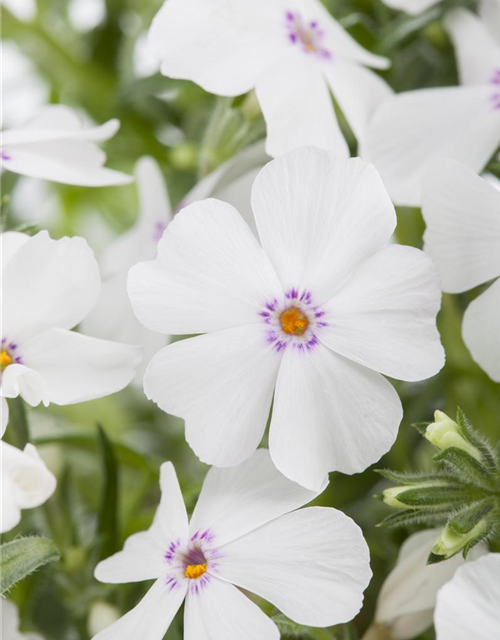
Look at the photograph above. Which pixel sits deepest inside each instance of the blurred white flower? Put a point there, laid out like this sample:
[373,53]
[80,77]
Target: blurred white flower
[245,533]
[468,606]
[315,313]
[24,10]
[26,483]
[143,61]
[85,15]
[292,52]
[413,128]
[101,615]
[407,598]
[48,287]
[413,7]
[55,145]
[462,214]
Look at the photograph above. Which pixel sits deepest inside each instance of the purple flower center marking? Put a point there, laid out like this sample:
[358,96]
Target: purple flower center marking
[8,354]
[495,81]
[295,321]
[158,229]
[306,35]
[4,155]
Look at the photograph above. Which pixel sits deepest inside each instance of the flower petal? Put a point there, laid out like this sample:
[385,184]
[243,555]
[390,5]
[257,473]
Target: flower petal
[318,218]
[385,316]
[352,416]
[412,7]
[467,606]
[297,107]
[48,283]
[221,612]
[237,500]
[480,330]
[10,515]
[462,214]
[19,380]
[151,618]
[313,564]
[10,242]
[411,129]
[77,368]
[222,385]
[478,55]
[210,274]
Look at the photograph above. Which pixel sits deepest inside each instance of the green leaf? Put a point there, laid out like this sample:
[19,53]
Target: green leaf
[421,427]
[409,517]
[107,523]
[18,421]
[21,557]
[290,629]
[477,440]
[465,467]
[402,477]
[468,518]
[437,495]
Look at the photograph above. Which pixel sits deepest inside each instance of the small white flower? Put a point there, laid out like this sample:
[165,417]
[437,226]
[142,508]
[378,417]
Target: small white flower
[48,287]
[411,129]
[245,533]
[462,214]
[468,606]
[408,596]
[312,316]
[291,51]
[26,483]
[55,145]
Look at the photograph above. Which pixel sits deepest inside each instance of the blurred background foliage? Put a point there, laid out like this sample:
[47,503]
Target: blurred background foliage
[91,55]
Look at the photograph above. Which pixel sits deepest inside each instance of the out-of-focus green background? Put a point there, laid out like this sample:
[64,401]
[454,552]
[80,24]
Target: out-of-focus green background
[90,54]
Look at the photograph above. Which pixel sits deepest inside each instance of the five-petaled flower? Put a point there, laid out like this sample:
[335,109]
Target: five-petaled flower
[246,532]
[313,315]
[292,52]
[48,287]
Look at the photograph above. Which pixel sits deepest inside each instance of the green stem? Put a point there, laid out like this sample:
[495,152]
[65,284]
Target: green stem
[213,133]
[19,430]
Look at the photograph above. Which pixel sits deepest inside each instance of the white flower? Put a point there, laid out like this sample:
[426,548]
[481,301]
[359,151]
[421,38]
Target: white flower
[54,145]
[407,598]
[411,129]
[48,287]
[489,10]
[462,214]
[468,606]
[291,51]
[312,316]
[245,533]
[413,7]
[26,483]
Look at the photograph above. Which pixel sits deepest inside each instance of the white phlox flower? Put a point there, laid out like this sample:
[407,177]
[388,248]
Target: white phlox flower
[467,606]
[313,316]
[26,483]
[48,287]
[55,145]
[411,129]
[462,214]
[413,7]
[246,532]
[292,52]
[406,601]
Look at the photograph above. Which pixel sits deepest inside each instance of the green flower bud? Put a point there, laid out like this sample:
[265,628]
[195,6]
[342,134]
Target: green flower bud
[445,433]
[389,496]
[450,542]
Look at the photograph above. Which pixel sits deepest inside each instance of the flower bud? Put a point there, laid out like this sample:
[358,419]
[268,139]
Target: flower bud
[390,497]
[450,542]
[445,433]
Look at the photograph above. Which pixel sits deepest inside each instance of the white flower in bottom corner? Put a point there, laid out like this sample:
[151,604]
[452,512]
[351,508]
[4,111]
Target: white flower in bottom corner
[313,316]
[245,533]
[55,145]
[468,607]
[462,214]
[26,483]
[48,287]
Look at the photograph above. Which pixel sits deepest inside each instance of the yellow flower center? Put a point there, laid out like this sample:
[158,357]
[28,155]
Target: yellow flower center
[5,359]
[293,321]
[195,571]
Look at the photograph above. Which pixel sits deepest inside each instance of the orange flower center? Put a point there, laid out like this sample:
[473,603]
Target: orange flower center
[5,359]
[195,571]
[293,321]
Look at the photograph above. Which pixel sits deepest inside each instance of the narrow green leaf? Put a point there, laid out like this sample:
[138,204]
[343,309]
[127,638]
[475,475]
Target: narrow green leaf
[402,477]
[477,440]
[465,467]
[18,423]
[421,426]
[437,495]
[415,516]
[472,543]
[21,557]
[107,523]
[468,518]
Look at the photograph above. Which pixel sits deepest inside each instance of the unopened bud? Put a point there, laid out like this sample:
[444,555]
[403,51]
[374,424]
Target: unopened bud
[450,542]
[445,433]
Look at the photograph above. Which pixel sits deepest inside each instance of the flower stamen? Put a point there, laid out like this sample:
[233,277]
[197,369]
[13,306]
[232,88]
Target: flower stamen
[5,359]
[195,571]
[293,321]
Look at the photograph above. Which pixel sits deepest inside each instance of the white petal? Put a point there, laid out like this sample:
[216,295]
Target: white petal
[411,129]
[413,7]
[10,242]
[222,46]
[385,315]
[467,607]
[480,330]
[5,416]
[143,555]
[462,214]
[489,10]
[77,368]
[330,414]
[151,618]
[237,500]
[10,515]
[221,612]
[19,380]
[313,564]
[222,385]
[318,217]
[358,91]
[210,274]
[48,283]
[478,55]
[297,107]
